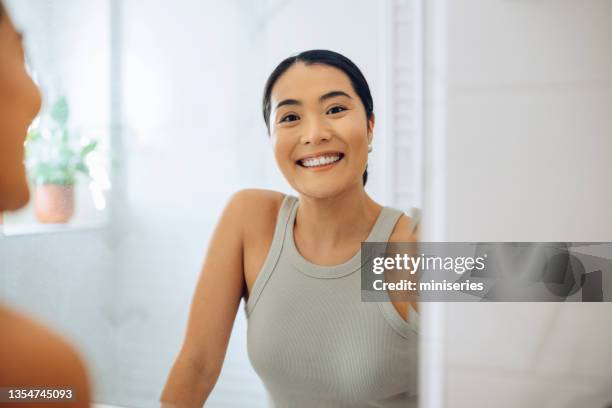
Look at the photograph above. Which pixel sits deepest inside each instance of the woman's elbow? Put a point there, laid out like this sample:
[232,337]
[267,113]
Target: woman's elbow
[189,383]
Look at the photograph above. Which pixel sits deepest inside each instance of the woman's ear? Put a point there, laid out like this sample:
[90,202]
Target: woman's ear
[371,122]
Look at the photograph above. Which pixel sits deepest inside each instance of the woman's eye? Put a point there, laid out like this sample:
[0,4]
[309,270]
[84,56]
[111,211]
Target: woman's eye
[289,118]
[336,109]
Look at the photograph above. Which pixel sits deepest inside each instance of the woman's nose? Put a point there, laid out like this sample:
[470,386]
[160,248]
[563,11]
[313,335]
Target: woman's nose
[315,132]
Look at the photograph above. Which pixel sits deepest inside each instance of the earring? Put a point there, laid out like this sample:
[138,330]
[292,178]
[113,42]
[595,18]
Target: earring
[370,148]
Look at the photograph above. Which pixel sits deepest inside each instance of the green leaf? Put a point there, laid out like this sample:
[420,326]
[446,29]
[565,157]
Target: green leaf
[82,167]
[59,111]
[88,148]
[54,154]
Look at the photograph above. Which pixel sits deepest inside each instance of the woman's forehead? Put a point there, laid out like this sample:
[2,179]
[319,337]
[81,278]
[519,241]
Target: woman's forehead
[304,82]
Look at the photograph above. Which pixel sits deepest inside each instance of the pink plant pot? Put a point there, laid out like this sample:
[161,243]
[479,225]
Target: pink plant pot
[54,203]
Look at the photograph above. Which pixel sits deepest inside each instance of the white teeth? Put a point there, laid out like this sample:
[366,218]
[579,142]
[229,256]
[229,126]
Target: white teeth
[320,161]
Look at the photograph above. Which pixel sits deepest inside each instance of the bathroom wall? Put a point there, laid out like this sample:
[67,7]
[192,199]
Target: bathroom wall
[528,141]
[188,108]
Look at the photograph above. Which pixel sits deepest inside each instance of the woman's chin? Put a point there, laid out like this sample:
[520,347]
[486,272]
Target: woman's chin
[321,189]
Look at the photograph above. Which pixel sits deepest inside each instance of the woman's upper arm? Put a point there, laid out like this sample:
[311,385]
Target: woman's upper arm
[218,291]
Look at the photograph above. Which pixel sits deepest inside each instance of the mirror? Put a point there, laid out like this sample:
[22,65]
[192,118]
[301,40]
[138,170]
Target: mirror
[171,92]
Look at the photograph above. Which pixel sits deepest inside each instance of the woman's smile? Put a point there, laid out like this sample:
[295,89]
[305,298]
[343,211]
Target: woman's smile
[320,161]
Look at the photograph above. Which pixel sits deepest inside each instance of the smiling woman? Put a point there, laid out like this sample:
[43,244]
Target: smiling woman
[295,260]
[330,59]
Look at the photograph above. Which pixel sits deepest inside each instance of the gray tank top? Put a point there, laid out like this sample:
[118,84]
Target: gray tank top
[311,339]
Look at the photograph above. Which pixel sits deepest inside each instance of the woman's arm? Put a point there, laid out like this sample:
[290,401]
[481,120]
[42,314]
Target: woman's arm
[213,310]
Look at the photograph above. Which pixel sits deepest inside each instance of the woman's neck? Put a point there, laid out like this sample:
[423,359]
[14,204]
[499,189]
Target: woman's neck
[332,222]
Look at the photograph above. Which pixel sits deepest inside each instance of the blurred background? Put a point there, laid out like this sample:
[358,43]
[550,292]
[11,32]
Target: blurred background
[493,116]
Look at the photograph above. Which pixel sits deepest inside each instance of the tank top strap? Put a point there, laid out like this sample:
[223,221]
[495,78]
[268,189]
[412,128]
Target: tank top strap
[282,218]
[381,233]
[384,225]
[415,217]
[284,214]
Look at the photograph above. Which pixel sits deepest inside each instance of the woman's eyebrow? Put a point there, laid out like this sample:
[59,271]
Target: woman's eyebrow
[322,98]
[288,102]
[333,94]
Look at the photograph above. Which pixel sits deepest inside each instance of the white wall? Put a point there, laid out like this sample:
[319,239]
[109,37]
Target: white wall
[528,138]
[187,103]
[529,120]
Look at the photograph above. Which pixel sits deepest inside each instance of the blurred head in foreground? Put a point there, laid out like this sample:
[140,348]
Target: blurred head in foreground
[19,103]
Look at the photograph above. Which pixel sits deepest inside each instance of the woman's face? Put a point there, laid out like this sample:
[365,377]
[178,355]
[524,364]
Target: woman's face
[319,130]
[19,103]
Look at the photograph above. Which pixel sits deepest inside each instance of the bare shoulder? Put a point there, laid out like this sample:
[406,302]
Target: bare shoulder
[258,207]
[259,212]
[258,199]
[403,230]
[34,355]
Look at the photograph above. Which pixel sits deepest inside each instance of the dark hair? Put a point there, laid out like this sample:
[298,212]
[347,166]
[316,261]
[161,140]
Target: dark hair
[325,57]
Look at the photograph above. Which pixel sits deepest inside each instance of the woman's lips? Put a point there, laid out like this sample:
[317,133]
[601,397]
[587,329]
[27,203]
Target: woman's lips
[321,167]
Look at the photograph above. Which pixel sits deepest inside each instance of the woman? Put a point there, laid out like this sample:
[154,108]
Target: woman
[31,355]
[296,260]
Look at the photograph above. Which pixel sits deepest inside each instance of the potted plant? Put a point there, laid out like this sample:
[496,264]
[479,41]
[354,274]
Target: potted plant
[54,157]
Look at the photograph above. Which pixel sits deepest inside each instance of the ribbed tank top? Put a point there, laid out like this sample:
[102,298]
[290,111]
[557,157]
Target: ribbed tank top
[311,339]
